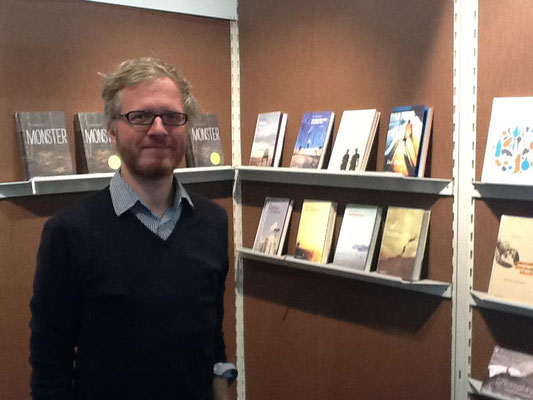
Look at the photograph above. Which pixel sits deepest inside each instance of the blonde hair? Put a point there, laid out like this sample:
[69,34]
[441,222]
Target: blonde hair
[137,70]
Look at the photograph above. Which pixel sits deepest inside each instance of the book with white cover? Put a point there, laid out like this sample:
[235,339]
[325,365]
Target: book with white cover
[281,137]
[354,140]
[358,236]
[509,150]
[512,269]
[272,229]
[265,139]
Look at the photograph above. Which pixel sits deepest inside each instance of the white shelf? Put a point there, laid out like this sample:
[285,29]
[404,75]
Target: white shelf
[91,182]
[481,299]
[359,180]
[427,286]
[484,190]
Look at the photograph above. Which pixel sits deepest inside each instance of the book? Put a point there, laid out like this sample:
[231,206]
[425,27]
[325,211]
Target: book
[204,147]
[409,132]
[509,375]
[94,151]
[265,147]
[509,149]
[315,232]
[281,138]
[512,268]
[404,242]
[44,144]
[357,238]
[354,140]
[272,229]
[313,139]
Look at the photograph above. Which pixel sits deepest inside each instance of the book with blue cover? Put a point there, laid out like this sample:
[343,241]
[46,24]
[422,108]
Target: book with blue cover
[313,140]
[408,140]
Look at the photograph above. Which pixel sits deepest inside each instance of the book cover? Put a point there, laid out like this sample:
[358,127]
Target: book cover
[426,140]
[512,269]
[403,243]
[43,140]
[313,140]
[404,139]
[315,232]
[509,375]
[94,151]
[354,140]
[358,236]
[509,149]
[281,138]
[204,147]
[265,139]
[272,229]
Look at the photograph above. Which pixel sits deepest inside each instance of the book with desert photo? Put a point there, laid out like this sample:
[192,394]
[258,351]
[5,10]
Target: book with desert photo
[272,229]
[358,236]
[315,232]
[403,243]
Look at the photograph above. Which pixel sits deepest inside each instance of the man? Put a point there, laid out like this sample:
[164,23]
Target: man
[128,291]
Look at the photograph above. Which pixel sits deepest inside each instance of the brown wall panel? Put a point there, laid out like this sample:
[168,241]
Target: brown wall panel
[311,55]
[311,336]
[505,61]
[53,50]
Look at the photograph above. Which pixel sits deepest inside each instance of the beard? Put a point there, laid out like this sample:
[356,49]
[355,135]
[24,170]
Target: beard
[145,166]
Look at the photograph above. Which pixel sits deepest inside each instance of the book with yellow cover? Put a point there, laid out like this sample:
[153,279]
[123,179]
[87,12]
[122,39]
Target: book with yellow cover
[313,242]
[512,269]
[404,241]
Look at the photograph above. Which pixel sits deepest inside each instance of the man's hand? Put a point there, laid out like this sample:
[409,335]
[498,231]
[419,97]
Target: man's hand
[220,388]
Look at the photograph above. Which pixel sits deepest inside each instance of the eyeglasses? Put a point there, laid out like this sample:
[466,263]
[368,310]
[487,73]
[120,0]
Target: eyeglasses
[145,117]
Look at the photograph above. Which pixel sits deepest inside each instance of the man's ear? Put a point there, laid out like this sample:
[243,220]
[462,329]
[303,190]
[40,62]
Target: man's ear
[112,132]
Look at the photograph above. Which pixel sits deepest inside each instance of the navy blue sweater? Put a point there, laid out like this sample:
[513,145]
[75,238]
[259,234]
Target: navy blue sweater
[139,317]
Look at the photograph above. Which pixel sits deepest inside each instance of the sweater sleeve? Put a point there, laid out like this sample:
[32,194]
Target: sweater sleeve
[54,317]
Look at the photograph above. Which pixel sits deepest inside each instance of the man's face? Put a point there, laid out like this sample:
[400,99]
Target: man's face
[150,151]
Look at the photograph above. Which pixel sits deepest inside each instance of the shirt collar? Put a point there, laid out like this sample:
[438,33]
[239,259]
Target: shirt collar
[123,197]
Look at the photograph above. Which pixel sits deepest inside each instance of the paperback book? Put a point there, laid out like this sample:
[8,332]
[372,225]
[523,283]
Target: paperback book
[315,232]
[354,140]
[272,229]
[509,149]
[44,145]
[268,139]
[509,375]
[94,151]
[512,269]
[204,147]
[358,237]
[408,138]
[404,242]
[313,140]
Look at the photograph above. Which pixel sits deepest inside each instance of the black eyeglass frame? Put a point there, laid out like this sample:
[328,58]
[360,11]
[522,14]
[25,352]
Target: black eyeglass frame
[163,116]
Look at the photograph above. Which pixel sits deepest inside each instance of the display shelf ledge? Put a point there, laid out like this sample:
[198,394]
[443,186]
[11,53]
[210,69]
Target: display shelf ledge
[205,174]
[91,182]
[475,389]
[427,286]
[15,189]
[482,299]
[483,190]
[358,180]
